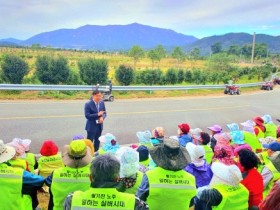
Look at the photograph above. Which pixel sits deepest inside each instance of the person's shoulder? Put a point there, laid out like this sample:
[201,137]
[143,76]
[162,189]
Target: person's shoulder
[89,102]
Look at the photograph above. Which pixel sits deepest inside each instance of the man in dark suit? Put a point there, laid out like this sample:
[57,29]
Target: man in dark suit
[95,113]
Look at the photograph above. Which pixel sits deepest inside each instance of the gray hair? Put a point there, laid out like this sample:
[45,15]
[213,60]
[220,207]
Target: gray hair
[105,168]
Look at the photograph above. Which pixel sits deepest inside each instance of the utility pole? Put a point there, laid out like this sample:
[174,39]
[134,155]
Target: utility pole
[253,48]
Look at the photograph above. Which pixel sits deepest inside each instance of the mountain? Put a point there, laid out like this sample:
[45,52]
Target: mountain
[110,37]
[10,42]
[123,37]
[204,44]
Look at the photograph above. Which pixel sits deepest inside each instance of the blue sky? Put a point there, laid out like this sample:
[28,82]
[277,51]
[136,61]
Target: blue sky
[22,19]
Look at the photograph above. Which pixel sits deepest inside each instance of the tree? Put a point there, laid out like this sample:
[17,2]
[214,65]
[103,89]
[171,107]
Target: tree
[124,75]
[260,50]
[171,76]
[188,76]
[219,62]
[151,77]
[51,70]
[74,78]
[195,53]
[234,50]
[93,71]
[153,56]
[213,77]
[136,52]
[196,76]
[160,53]
[181,75]
[203,77]
[216,48]
[178,54]
[266,70]
[13,69]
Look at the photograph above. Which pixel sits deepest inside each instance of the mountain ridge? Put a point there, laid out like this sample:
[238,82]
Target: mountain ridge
[123,37]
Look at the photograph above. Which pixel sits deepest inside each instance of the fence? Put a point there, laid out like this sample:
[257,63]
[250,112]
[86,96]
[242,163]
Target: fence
[115,88]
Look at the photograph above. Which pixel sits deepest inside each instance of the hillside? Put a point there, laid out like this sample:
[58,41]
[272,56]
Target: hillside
[111,37]
[123,37]
[204,44]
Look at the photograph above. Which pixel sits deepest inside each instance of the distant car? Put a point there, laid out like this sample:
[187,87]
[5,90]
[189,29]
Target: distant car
[232,89]
[267,86]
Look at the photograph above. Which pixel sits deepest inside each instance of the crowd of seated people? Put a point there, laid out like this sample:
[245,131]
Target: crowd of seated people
[237,168]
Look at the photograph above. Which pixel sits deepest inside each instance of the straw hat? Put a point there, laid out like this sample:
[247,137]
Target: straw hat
[6,152]
[76,155]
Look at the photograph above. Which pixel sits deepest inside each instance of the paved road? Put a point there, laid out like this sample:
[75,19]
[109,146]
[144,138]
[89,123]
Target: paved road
[40,120]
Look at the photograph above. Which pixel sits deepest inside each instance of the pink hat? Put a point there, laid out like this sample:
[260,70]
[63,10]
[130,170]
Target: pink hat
[215,128]
[222,138]
[19,147]
[241,147]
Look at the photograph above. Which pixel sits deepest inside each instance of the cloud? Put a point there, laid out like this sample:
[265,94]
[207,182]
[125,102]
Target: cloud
[25,18]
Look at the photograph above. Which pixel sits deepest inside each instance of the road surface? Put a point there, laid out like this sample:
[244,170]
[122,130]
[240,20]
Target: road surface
[61,120]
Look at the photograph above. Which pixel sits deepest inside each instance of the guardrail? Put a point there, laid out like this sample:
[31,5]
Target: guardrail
[115,88]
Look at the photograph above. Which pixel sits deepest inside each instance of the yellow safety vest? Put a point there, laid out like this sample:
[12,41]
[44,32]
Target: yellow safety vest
[102,198]
[18,163]
[145,162]
[134,189]
[30,158]
[11,186]
[208,154]
[66,180]
[276,176]
[252,140]
[46,164]
[264,159]
[234,197]
[270,130]
[170,189]
[260,134]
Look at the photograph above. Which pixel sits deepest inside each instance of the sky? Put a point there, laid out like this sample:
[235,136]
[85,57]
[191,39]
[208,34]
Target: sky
[22,19]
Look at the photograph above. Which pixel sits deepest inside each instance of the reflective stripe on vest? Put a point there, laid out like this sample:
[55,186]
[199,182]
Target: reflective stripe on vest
[102,198]
[134,189]
[252,140]
[11,185]
[271,130]
[233,197]
[208,154]
[47,164]
[170,189]
[66,180]
[276,176]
